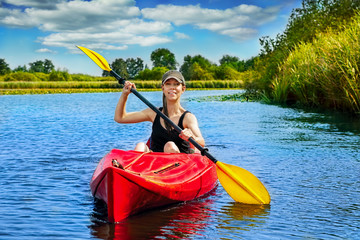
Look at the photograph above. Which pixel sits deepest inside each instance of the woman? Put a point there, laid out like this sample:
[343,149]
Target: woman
[163,137]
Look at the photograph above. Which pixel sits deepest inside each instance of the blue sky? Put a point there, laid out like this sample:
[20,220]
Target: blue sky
[33,30]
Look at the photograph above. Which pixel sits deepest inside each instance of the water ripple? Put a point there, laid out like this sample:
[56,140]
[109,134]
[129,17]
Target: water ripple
[50,145]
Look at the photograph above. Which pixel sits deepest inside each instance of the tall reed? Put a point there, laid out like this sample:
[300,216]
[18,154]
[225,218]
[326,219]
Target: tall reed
[325,72]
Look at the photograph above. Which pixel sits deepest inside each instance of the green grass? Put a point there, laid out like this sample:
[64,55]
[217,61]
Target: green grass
[46,87]
[56,84]
[54,91]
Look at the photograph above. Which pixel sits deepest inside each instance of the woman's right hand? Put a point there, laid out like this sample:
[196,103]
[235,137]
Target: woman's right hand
[127,87]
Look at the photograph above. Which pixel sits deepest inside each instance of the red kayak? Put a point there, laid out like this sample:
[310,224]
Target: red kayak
[130,182]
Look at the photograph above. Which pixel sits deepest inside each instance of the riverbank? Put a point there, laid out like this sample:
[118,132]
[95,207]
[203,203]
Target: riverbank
[84,90]
[49,87]
[23,91]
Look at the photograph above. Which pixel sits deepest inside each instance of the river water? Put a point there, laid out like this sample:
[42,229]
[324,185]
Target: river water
[50,146]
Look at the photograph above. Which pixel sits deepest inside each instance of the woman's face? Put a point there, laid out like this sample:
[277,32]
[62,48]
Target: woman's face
[173,89]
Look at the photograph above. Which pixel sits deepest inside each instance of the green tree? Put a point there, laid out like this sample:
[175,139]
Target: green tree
[304,23]
[233,62]
[250,63]
[203,65]
[134,66]
[4,67]
[120,67]
[186,67]
[41,66]
[162,57]
[37,66]
[226,59]
[48,66]
[20,69]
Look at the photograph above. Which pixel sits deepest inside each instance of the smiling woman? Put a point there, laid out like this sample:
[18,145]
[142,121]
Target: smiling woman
[164,138]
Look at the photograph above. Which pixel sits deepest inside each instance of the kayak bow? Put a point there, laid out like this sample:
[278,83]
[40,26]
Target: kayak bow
[130,182]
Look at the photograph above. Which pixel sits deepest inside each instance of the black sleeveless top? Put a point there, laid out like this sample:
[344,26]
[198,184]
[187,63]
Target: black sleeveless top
[160,136]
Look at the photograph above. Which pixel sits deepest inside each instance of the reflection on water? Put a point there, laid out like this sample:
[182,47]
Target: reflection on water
[236,217]
[191,219]
[238,211]
[175,221]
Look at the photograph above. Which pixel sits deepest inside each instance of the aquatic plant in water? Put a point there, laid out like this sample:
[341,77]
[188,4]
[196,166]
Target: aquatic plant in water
[242,97]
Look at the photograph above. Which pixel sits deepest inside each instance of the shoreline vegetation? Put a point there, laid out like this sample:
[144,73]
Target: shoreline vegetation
[102,84]
[93,90]
[314,63]
[60,81]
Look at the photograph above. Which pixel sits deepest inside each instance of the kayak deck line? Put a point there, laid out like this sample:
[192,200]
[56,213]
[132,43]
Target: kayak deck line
[130,164]
[167,168]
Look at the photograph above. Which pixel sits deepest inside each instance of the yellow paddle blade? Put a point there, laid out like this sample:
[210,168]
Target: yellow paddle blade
[241,184]
[97,58]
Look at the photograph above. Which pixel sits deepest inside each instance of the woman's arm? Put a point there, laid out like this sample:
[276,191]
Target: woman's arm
[191,129]
[121,116]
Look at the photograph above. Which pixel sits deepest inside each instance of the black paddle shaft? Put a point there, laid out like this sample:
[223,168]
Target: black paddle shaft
[204,151]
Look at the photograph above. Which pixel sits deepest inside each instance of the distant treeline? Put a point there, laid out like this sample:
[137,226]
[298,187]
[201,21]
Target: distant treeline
[199,72]
[63,82]
[194,68]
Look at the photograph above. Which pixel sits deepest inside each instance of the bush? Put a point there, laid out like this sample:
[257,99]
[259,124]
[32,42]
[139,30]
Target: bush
[225,72]
[198,73]
[155,74]
[41,76]
[60,76]
[20,76]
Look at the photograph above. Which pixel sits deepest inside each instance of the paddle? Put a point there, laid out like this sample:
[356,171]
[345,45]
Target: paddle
[239,183]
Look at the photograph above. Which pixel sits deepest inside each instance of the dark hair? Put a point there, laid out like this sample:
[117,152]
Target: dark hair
[165,109]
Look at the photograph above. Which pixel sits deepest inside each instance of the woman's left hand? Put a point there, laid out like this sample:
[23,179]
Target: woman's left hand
[186,134]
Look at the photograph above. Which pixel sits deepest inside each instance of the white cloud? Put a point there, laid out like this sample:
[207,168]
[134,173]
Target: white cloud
[239,22]
[180,35]
[195,15]
[181,15]
[240,34]
[110,40]
[140,27]
[105,24]
[69,16]
[44,50]
[15,18]
[116,24]
[82,16]
[46,4]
